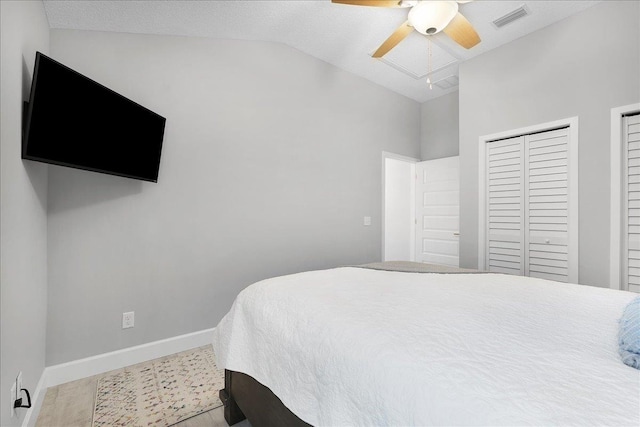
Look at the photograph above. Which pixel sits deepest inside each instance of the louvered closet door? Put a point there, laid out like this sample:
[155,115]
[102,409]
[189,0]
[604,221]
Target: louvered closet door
[547,177]
[631,133]
[505,206]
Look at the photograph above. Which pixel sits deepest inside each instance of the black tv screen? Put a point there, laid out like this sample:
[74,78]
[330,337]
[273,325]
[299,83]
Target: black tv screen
[74,121]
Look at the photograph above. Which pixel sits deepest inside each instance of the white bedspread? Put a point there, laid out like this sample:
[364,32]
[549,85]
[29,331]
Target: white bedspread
[351,346]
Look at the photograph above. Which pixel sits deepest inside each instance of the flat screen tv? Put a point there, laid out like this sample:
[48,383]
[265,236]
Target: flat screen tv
[74,121]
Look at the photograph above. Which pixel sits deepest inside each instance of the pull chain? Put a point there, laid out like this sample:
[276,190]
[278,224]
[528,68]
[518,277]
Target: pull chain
[429,64]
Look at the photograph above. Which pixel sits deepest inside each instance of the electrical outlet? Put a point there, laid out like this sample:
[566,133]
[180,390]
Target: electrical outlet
[128,320]
[366,221]
[13,399]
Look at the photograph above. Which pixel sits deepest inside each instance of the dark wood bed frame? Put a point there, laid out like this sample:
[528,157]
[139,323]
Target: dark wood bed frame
[244,397]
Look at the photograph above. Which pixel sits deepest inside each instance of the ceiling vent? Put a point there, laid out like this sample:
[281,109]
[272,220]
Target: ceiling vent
[514,15]
[447,82]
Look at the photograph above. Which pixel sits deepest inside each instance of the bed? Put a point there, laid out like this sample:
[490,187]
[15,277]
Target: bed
[369,346]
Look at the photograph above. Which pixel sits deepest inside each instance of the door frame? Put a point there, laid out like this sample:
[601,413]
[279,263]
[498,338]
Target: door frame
[615,242]
[387,155]
[572,123]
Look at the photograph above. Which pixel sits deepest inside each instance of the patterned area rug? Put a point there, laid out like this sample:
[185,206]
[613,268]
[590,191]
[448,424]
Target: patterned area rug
[161,392]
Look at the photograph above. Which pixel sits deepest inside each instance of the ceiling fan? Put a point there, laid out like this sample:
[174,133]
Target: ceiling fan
[427,17]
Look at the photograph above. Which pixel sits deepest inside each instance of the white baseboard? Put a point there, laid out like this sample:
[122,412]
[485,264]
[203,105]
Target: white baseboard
[31,415]
[101,363]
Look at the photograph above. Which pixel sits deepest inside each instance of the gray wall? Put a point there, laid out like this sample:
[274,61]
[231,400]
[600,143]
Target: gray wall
[271,160]
[23,201]
[567,69]
[439,136]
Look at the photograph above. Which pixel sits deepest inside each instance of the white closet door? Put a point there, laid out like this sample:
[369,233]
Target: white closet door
[547,219]
[631,133]
[438,211]
[505,206]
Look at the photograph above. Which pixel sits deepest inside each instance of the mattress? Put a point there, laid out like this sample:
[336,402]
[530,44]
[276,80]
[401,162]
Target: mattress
[354,346]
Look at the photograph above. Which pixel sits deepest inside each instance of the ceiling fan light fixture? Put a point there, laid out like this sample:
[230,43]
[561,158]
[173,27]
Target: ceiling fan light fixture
[431,17]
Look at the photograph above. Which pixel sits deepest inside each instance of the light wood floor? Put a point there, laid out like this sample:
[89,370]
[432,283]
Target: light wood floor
[71,405]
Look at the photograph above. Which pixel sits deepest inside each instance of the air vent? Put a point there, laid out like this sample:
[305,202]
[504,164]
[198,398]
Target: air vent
[514,15]
[447,82]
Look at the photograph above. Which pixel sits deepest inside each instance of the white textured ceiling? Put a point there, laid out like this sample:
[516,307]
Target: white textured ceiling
[342,35]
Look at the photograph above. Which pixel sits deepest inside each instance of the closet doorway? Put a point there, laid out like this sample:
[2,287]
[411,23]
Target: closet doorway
[398,201]
[421,210]
[528,201]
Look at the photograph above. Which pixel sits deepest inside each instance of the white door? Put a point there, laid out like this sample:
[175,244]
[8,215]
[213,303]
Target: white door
[505,206]
[547,253]
[438,211]
[631,200]
[531,206]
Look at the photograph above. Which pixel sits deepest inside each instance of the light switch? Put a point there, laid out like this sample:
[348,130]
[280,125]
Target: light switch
[367,220]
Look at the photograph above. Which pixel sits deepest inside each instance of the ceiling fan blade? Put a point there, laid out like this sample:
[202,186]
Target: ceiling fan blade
[376,3]
[462,32]
[395,38]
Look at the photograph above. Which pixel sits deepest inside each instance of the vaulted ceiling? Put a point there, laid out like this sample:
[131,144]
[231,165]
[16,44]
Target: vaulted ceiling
[342,35]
